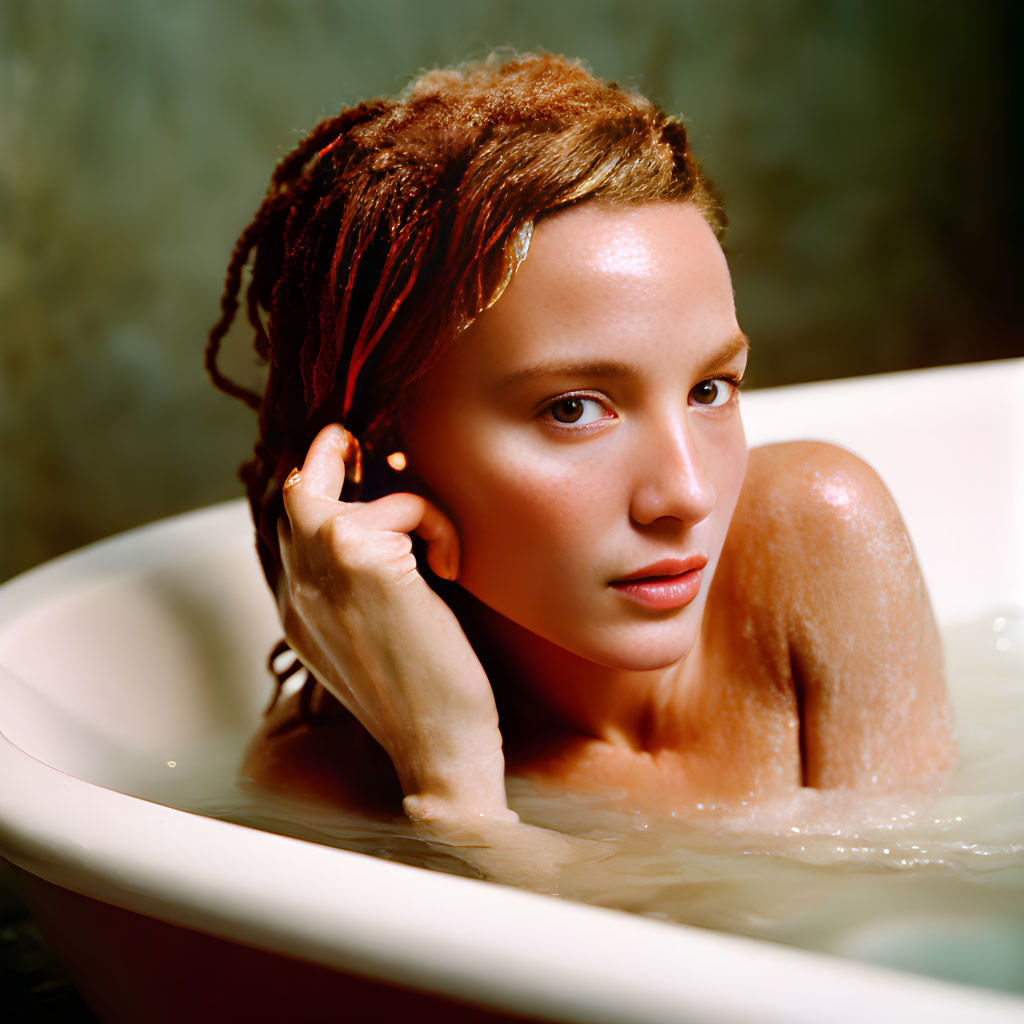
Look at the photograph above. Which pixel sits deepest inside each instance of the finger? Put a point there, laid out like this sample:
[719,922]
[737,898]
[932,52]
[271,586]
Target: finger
[323,471]
[410,513]
[322,477]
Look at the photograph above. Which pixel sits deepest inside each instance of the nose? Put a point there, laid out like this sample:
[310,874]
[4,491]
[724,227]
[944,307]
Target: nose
[670,477]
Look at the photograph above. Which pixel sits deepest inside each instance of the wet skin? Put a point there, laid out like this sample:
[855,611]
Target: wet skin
[673,623]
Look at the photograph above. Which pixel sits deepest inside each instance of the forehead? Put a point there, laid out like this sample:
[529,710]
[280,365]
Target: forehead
[639,242]
[599,277]
[644,285]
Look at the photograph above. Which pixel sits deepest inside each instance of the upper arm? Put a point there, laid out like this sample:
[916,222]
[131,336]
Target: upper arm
[864,648]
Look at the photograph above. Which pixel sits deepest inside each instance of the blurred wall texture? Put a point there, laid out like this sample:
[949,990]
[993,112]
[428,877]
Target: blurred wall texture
[867,151]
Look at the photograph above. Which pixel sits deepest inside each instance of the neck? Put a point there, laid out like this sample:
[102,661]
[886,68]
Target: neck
[543,688]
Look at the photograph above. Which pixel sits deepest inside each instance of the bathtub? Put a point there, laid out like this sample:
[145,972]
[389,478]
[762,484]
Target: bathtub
[138,653]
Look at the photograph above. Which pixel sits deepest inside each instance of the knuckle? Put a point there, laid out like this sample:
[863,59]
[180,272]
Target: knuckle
[344,552]
[341,537]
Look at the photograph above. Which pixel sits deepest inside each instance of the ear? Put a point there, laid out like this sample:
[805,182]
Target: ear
[438,533]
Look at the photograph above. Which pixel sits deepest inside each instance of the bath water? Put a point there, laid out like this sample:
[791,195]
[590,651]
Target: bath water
[936,888]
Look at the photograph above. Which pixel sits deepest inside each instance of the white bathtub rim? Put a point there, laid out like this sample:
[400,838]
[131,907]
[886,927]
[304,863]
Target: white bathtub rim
[206,528]
[542,955]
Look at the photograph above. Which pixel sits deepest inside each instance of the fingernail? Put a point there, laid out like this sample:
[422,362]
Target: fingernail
[397,461]
[353,457]
[293,478]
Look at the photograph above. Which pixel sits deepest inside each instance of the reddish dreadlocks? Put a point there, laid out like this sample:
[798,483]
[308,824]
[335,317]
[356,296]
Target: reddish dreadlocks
[384,233]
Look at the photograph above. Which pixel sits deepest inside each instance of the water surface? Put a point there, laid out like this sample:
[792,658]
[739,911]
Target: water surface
[935,887]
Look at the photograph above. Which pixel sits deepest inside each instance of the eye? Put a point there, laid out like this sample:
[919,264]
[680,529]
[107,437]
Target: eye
[576,410]
[714,391]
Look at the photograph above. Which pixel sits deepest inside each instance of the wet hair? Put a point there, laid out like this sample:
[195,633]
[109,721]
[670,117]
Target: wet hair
[388,228]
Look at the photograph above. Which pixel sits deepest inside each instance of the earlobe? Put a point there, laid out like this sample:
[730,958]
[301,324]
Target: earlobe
[436,530]
[454,560]
[443,553]
[442,541]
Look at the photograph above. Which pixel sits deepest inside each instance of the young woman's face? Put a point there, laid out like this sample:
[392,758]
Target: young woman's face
[584,434]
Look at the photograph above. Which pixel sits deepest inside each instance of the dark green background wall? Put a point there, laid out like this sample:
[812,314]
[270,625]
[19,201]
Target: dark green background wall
[866,151]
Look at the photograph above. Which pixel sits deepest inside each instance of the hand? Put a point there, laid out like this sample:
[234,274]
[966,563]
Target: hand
[360,616]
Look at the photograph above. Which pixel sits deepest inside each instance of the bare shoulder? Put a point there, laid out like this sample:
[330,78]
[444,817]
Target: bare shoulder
[819,545]
[817,528]
[814,485]
[806,511]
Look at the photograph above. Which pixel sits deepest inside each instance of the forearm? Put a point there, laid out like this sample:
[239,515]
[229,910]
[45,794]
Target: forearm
[448,760]
[458,788]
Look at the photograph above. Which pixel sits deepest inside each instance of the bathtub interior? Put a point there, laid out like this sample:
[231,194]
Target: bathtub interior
[133,659]
[165,660]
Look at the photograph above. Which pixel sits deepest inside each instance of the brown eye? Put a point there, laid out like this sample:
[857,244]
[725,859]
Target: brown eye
[577,411]
[712,392]
[567,410]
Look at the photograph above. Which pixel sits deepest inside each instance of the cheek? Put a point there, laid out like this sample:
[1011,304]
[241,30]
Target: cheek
[729,456]
[734,468]
[522,519]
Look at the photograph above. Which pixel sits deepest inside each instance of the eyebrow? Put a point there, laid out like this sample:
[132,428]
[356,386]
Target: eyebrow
[594,368]
[738,344]
[735,345]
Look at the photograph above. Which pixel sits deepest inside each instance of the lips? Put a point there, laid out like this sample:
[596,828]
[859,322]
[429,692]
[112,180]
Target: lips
[670,583]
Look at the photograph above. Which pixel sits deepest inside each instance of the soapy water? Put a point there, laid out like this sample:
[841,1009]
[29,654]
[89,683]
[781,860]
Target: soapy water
[934,886]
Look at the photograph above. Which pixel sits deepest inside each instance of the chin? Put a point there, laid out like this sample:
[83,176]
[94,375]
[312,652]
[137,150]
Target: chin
[633,650]
[633,661]
[625,647]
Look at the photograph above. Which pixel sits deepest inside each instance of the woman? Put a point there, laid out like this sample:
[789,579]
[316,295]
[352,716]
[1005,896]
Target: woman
[497,319]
